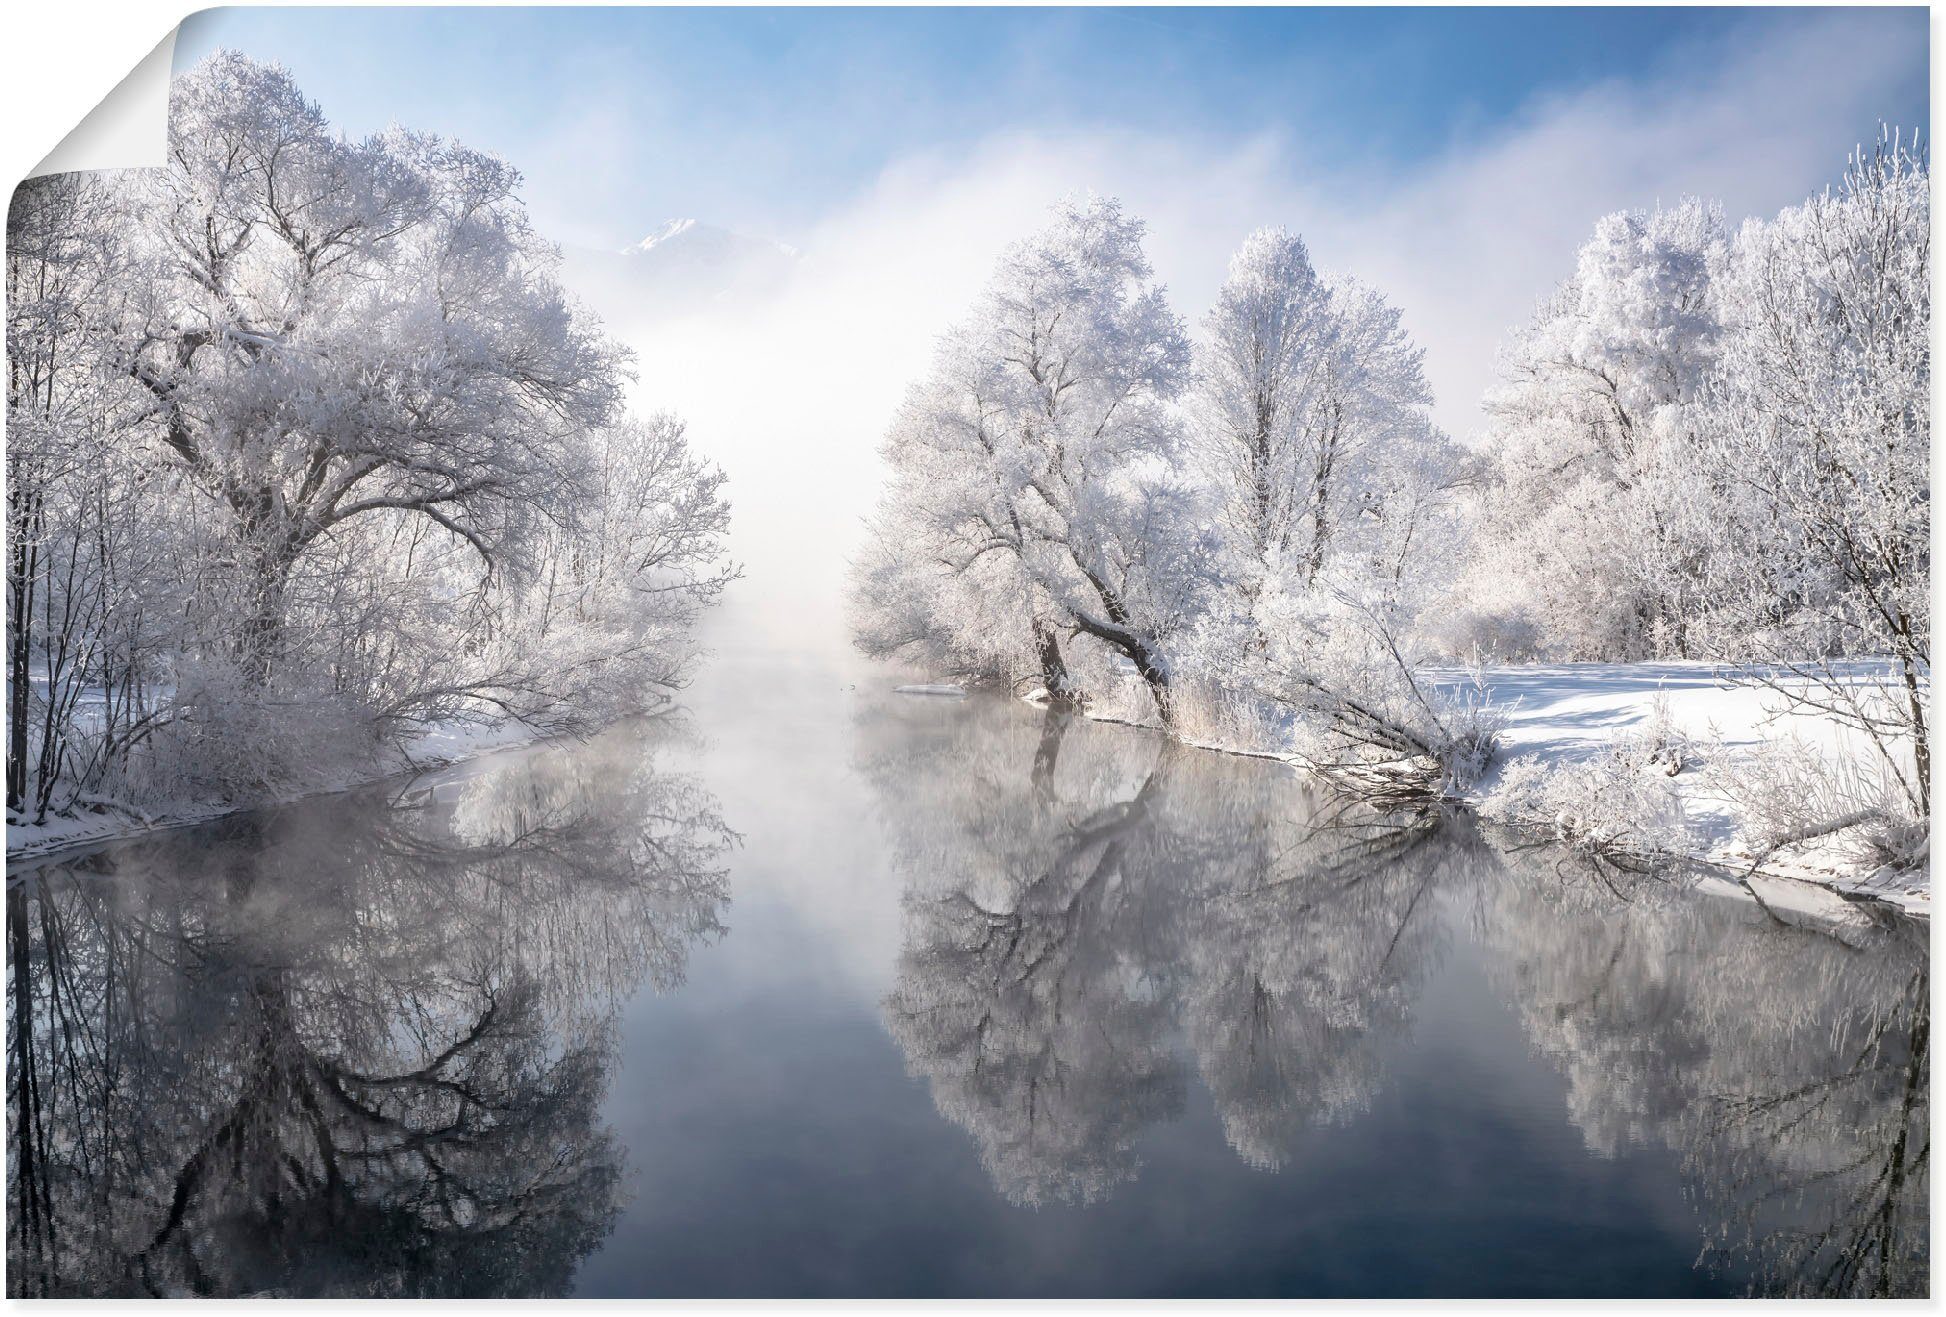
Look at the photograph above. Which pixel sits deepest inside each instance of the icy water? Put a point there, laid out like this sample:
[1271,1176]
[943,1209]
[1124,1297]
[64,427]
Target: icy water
[849,993]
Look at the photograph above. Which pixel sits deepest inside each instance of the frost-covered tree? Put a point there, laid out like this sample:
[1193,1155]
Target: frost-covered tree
[309,449]
[598,618]
[1337,499]
[331,330]
[1033,496]
[70,514]
[1313,404]
[1817,428]
[1583,545]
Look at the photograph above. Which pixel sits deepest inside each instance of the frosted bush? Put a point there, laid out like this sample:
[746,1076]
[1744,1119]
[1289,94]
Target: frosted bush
[1620,804]
[1368,720]
[1789,794]
[223,737]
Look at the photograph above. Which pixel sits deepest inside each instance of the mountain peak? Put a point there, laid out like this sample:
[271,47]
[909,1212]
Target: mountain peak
[684,266]
[695,240]
[670,229]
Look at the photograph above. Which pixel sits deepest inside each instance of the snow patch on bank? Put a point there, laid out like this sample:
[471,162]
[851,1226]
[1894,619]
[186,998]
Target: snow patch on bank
[1561,716]
[99,820]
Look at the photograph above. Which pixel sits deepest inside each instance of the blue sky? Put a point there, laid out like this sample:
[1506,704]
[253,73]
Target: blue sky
[765,118]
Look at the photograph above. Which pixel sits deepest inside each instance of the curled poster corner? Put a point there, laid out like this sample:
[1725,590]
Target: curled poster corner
[128,129]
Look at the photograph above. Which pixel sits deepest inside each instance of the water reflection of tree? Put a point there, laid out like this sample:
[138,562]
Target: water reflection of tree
[1091,912]
[1082,898]
[1788,1067]
[1308,949]
[348,1048]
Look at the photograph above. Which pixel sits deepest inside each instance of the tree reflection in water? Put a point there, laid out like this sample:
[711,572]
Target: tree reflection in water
[1787,1067]
[358,1046]
[1084,897]
[1094,914]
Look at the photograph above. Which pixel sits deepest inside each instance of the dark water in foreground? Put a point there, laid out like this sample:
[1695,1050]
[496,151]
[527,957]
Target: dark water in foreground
[865,994]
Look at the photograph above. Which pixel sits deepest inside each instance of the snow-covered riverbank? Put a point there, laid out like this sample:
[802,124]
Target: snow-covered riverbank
[100,821]
[1564,717]
[1558,755]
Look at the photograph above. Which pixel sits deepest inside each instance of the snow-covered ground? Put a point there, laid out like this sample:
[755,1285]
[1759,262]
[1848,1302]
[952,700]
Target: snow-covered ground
[1567,714]
[100,821]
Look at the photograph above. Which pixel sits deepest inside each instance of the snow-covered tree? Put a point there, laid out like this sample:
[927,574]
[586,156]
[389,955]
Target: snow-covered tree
[63,501]
[1817,430]
[1582,539]
[1034,497]
[1337,499]
[598,618]
[332,330]
[309,448]
[1313,403]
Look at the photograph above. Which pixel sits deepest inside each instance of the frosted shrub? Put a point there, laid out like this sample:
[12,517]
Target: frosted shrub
[1611,805]
[224,737]
[1488,635]
[1790,794]
[1369,721]
[1231,717]
[1620,805]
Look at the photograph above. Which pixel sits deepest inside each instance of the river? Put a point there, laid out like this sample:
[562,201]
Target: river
[832,991]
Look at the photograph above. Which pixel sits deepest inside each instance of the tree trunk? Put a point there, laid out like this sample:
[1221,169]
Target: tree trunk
[21,570]
[1054,668]
[263,629]
[1916,711]
[1148,663]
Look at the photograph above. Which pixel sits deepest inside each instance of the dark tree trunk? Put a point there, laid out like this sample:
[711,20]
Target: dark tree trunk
[1054,668]
[263,630]
[1916,711]
[21,571]
[1157,678]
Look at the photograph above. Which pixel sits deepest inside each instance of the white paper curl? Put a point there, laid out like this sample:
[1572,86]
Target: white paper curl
[128,129]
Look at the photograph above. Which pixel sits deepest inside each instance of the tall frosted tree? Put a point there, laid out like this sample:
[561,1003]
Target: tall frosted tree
[332,330]
[1033,499]
[1336,492]
[1817,428]
[1313,401]
[1591,445]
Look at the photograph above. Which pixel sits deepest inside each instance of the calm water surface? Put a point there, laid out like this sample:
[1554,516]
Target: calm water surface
[849,993]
